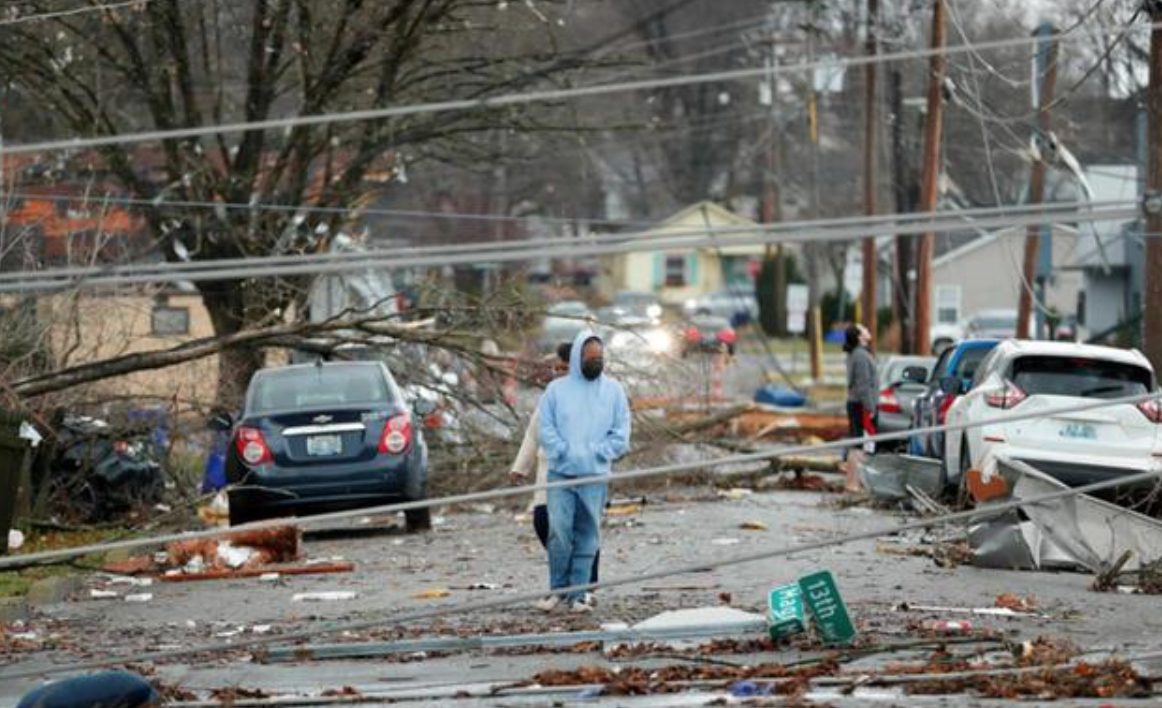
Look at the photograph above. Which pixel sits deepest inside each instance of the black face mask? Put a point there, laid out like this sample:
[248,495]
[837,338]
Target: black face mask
[592,368]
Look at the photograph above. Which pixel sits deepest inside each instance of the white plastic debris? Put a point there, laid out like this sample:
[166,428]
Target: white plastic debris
[31,434]
[103,594]
[130,580]
[725,542]
[163,508]
[230,633]
[269,578]
[327,596]
[234,556]
[24,636]
[140,597]
[15,539]
[191,624]
[261,629]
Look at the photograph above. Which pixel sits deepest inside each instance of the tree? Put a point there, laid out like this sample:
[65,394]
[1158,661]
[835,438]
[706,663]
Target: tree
[169,64]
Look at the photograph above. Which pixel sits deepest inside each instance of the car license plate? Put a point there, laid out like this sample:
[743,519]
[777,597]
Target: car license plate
[1078,431]
[324,445]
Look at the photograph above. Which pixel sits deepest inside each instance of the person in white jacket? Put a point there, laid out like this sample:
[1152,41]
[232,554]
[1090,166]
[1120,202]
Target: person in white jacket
[531,461]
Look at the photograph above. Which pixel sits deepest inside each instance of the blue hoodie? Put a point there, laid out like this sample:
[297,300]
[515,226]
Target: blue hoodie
[585,424]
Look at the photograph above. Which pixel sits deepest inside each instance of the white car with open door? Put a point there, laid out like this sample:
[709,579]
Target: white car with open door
[1020,377]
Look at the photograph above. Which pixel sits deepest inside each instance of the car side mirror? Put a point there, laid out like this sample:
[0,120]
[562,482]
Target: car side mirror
[221,422]
[950,385]
[424,407]
[915,374]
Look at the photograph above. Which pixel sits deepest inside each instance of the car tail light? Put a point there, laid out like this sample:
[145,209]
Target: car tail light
[1008,397]
[252,447]
[121,447]
[397,435]
[1152,409]
[727,336]
[692,334]
[945,404]
[888,401]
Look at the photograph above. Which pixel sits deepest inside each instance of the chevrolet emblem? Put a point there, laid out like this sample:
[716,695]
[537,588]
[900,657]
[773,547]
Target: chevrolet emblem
[323,419]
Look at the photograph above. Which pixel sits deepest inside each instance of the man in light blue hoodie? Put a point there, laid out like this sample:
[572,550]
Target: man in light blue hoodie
[584,427]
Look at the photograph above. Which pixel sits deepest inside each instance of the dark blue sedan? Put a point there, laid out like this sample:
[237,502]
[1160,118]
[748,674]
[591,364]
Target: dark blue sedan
[326,437]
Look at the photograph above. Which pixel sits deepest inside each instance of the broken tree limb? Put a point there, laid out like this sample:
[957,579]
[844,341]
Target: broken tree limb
[1107,579]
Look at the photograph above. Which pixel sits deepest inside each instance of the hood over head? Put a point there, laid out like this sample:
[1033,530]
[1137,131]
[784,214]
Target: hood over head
[583,337]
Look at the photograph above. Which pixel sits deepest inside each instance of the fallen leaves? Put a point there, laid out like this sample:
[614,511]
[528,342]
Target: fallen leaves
[1008,600]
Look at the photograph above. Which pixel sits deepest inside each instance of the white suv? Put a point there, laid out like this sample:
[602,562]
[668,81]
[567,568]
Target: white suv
[1076,448]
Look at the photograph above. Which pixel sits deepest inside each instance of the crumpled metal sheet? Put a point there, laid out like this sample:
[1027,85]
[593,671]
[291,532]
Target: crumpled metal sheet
[1092,531]
[887,476]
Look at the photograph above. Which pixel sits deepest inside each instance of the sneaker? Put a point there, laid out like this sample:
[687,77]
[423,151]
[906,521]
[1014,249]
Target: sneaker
[590,599]
[581,607]
[548,604]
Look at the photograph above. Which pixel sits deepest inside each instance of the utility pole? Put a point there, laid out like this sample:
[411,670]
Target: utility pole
[933,128]
[1152,305]
[770,203]
[870,132]
[902,178]
[813,251]
[1044,83]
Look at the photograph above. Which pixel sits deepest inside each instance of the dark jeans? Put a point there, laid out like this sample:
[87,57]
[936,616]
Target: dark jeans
[541,526]
[855,427]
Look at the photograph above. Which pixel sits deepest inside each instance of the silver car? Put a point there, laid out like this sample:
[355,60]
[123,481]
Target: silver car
[903,379]
[736,305]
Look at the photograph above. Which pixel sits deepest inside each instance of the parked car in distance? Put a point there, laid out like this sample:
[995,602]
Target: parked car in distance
[562,323]
[955,365]
[737,306]
[639,304]
[323,437]
[902,380]
[1076,448]
[708,333]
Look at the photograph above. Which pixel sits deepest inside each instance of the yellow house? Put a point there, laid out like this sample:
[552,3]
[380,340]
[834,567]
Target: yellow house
[680,275]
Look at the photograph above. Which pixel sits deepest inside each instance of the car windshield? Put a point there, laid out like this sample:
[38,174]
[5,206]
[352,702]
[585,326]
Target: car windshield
[969,361]
[895,370]
[569,309]
[634,300]
[1079,377]
[318,387]
[1002,322]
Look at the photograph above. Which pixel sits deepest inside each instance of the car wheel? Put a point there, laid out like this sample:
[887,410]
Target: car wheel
[418,519]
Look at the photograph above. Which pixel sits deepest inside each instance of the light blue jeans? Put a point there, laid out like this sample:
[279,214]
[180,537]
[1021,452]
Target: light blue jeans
[574,534]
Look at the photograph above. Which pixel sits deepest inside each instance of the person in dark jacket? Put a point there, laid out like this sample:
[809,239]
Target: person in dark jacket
[862,383]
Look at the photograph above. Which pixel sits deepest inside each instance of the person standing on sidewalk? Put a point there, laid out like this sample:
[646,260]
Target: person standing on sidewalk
[584,428]
[531,461]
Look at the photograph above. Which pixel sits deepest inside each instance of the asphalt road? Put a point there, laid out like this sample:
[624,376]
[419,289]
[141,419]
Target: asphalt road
[497,547]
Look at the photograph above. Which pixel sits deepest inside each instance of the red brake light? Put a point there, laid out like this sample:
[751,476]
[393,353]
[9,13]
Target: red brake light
[397,435]
[1008,397]
[888,401]
[252,447]
[1152,409]
[945,404]
[727,336]
[692,334]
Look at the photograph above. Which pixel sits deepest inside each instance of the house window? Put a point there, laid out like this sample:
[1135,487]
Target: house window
[675,271]
[947,304]
[169,321]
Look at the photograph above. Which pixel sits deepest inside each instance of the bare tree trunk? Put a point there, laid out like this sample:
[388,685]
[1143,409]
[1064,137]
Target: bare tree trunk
[224,302]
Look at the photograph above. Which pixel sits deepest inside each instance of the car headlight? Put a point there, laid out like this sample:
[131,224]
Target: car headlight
[659,341]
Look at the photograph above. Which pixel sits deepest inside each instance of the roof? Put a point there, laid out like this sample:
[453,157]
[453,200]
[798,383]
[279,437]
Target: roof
[1070,349]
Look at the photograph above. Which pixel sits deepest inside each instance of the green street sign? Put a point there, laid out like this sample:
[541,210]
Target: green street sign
[786,616]
[827,608]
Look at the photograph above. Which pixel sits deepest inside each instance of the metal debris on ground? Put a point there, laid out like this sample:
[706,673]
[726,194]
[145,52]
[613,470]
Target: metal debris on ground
[325,596]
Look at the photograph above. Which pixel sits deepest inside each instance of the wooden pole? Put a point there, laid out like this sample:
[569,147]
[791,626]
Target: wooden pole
[870,131]
[1152,304]
[1048,83]
[933,129]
